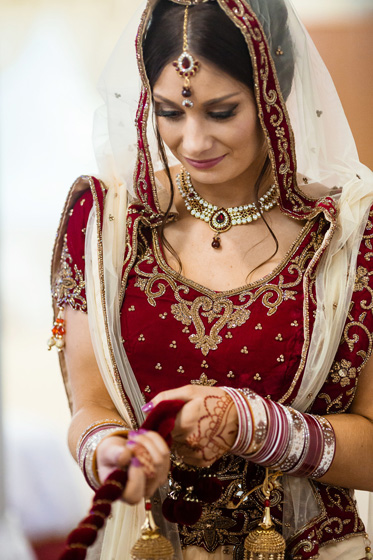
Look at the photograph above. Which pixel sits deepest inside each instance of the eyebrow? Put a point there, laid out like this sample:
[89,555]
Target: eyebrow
[206,104]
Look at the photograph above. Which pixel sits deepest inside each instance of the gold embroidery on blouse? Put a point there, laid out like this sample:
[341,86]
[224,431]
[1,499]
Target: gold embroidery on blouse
[212,311]
[342,372]
[204,380]
[219,313]
[67,289]
[132,246]
[314,252]
[335,404]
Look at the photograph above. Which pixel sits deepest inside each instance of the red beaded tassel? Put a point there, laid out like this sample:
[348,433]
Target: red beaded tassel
[81,538]
[162,420]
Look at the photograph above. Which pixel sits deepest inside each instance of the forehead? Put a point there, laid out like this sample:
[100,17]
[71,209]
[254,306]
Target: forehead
[209,82]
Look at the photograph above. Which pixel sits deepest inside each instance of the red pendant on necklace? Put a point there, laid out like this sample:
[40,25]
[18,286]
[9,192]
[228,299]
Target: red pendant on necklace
[216,242]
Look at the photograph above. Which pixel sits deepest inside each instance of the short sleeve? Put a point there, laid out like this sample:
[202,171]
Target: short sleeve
[69,287]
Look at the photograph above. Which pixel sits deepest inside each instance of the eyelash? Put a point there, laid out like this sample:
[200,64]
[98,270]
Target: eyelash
[216,115]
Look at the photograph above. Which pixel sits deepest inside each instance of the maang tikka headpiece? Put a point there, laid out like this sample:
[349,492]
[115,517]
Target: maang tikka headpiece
[185,65]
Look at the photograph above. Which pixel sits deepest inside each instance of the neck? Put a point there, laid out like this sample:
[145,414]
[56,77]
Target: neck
[236,192]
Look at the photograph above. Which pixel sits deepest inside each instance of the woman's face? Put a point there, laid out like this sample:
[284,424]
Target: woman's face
[219,140]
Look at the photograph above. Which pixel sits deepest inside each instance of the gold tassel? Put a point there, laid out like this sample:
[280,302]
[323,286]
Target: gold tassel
[151,545]
[264,542]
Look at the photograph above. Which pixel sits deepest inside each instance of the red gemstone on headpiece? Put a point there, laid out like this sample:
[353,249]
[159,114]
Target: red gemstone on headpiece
[186,92]
[185,63]
[220,218]
[215,243]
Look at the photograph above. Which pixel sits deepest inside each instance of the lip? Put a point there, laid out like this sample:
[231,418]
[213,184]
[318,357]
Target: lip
[205,163]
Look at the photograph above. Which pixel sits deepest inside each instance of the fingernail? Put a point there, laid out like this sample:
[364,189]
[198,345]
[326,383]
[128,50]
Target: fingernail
[147,407]
[131,443]
[134,435]
[135,462]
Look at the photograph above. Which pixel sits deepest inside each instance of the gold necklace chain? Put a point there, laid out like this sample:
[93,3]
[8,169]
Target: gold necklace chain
[222,219]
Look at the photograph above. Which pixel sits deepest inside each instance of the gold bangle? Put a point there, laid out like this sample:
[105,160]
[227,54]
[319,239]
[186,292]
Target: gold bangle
[107,422]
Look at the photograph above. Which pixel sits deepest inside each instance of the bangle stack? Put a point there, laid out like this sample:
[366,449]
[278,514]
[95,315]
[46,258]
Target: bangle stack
[87,445]
[280,437]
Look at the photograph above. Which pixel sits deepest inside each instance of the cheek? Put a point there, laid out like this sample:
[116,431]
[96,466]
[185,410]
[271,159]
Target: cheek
[168,133]
[254,134]
[247,138]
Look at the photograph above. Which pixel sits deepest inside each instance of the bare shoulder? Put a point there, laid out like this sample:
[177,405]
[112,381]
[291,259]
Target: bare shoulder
[162,176]
[316,190]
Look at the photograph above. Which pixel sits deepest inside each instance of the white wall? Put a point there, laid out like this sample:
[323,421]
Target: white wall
[326,10]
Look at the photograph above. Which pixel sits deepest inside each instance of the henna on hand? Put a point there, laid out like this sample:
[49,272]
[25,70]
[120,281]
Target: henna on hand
[216,429]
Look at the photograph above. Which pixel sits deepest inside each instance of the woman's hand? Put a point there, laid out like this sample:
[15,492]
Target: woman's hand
[148,459]
[206,426]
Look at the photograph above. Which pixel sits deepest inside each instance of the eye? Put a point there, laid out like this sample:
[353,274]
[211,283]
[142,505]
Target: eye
[222,115]
[172,114]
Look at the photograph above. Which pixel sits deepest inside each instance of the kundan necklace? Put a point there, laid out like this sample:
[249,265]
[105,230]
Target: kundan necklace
[221,219]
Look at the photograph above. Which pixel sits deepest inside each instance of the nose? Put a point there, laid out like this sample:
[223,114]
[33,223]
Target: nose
[196,138]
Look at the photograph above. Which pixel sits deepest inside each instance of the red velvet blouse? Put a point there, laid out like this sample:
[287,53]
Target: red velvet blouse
[177,332]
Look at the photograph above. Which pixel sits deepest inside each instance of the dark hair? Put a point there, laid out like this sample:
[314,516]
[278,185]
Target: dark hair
[211,35]
[214,37]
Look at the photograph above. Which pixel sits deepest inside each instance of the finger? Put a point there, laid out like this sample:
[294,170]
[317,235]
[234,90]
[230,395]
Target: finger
[112,450]
[182,393]
[135,487]
[157,440]
[158,452]
[111,453]
[153,443]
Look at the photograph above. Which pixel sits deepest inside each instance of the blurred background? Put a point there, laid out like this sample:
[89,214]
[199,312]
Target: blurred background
[52,53]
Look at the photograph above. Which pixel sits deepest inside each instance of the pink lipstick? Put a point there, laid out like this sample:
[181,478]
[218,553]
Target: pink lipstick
[206,163]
